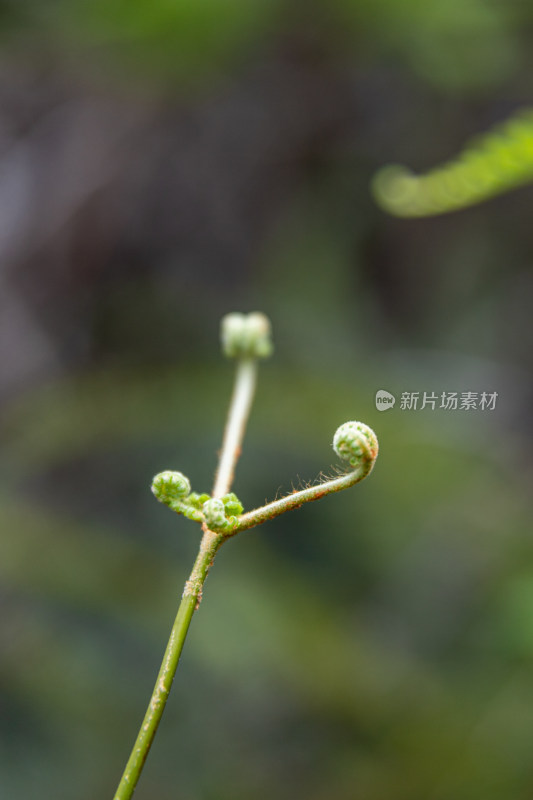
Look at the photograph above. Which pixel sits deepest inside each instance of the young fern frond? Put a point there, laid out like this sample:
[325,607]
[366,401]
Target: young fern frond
[490,164]
[353,442]
[245,338]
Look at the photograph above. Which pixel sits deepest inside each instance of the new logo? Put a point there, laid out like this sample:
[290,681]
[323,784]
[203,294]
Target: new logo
[384,400]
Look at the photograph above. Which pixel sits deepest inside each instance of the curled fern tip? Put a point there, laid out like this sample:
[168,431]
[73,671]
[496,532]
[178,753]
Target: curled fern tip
[356,443]
[169,485]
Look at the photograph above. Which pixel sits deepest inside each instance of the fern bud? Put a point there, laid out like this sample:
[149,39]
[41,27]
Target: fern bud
[246,335]
[215,514]
[356,443]
[232,505]
[169,485]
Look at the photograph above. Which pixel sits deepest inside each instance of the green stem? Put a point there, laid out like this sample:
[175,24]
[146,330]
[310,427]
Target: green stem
[241,401]
[190,599]
[240,404]
[296,499]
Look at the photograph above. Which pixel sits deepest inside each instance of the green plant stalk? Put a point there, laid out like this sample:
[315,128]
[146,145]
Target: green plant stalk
[239,411]
[245,381]
[296,499]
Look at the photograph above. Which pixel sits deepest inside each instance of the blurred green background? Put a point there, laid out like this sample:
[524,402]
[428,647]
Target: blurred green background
[165,162]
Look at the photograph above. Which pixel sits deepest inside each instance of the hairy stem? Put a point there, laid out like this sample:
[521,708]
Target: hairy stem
[296,499]
[190,599]
[240,404]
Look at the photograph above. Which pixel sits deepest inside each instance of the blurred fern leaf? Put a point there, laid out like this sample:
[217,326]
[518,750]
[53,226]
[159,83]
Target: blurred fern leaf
[491,164]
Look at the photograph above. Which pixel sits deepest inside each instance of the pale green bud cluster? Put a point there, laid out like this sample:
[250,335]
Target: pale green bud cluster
[174,490]
[221,513]
[356,443]
[246,335]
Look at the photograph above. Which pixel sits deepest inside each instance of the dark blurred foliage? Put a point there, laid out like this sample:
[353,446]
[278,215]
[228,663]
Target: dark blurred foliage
[163,163]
